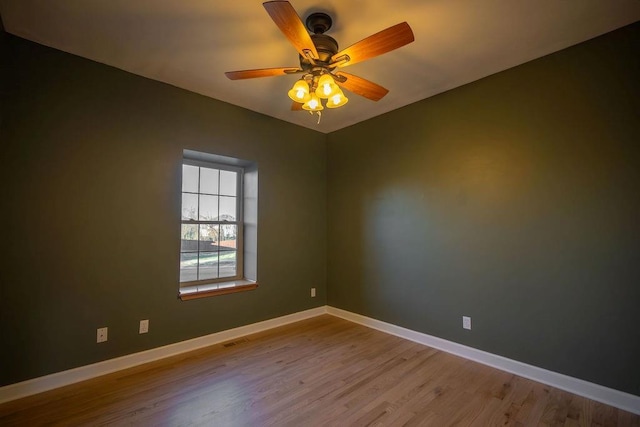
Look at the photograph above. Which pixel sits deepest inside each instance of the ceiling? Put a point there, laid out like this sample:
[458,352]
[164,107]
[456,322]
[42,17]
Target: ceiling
[190,44]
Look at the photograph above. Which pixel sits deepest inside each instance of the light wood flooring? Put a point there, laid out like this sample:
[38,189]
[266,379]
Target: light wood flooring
[323,371]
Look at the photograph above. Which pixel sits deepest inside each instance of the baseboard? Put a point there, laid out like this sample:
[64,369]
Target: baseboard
[60,379]
[609,396]
[619,399]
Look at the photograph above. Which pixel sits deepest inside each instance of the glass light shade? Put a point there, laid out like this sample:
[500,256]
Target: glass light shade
[337,100]
[326,86]
[313,104]
[300,92]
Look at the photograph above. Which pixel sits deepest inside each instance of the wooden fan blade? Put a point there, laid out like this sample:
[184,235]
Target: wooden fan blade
[263,72]
[361,86]
[377,44]
[287,19]
[296,106]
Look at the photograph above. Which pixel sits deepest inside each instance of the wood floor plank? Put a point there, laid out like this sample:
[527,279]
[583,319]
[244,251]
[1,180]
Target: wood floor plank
[322,371]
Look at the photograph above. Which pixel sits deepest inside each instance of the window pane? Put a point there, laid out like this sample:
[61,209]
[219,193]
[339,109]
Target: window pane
[190,178]
[209,252]
[189,238]
[208,265]
[228,264]
[228,181]
[228,237]
[189,206]
[227,208]
[208,208]
[209,180]
[208,237]
[188,266]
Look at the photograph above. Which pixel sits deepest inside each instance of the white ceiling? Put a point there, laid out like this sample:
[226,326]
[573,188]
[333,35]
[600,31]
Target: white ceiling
[190,44]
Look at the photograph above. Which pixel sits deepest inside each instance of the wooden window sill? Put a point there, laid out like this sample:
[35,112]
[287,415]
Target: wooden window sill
[215,289]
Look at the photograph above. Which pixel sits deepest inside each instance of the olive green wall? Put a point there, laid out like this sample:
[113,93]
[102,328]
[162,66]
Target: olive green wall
[91,164]
[514,200]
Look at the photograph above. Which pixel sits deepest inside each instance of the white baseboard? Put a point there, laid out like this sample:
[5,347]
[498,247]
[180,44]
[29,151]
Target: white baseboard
[609,396]
[59,379]
[619,399]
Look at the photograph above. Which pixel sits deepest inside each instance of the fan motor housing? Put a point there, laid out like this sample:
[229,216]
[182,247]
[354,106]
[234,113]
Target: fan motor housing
[326,47]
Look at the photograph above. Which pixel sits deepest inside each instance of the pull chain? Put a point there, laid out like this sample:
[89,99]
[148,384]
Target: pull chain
[319,113]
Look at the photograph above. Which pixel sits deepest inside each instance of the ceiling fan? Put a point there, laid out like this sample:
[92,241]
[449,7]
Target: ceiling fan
[320,59]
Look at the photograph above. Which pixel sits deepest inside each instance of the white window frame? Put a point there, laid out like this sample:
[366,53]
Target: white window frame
[221,285]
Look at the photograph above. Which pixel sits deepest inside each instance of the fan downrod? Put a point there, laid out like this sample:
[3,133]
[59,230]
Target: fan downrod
[326,46]
[318,22]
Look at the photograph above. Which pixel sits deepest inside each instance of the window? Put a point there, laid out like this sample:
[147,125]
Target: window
[212,229]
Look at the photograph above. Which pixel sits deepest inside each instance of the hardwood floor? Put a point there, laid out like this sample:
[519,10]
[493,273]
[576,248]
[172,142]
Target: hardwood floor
[318,372]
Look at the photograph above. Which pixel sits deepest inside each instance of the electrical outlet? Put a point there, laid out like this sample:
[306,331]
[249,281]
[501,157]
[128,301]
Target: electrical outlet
[102,334]
[313,292]
[466,322]
[144,326]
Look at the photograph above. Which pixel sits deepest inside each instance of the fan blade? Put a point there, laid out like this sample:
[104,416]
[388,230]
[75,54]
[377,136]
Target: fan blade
[361,86]
[377,44]
[287,19]
[263,72]
[296,106]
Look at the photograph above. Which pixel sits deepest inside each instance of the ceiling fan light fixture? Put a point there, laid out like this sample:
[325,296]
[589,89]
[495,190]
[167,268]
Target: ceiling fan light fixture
[319,56]
[313,104]
[337,100]
[300,91]
[326,87]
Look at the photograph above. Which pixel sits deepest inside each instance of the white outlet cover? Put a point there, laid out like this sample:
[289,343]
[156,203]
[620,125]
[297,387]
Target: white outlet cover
[313,292]
[144,326]
[102,334]
[466,322]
